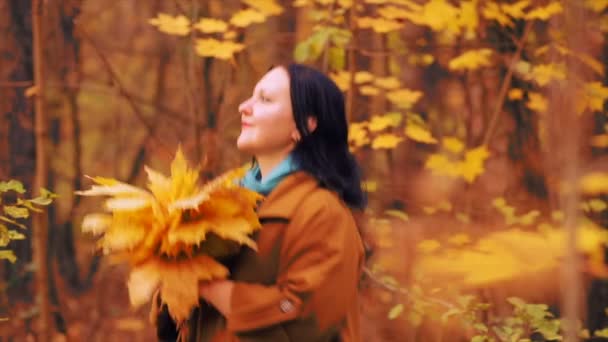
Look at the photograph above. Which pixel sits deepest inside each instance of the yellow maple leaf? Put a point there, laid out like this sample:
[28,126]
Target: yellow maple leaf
[516,10]
[246,17]
[174,25]
[178,281]
[452,144]
[393,12]
[597,6]
[595,96]
[468,17]
[211,25]
[546,12]
[362,77]
[441,165]
[301,3]
[235,229]
[357,134]
[545,73]
[267,7]
[379,25]
[342,79]
[128,203]
[369,90]
[369,185]
[459,239]
[600,141]
[594,183]
[404,98]
[209,47]
[471,60]
[381,122]
[389,83]
[469,167]
[419,134]
[111,187]
[428,246]
[473,164]
[96,224]
[229,35]
[346,4]
[492,11]
[127,236]
[516,94]
[439,15]
[386,141]
[537,102]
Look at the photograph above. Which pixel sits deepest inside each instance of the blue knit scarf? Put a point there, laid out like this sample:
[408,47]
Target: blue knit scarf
[253,177]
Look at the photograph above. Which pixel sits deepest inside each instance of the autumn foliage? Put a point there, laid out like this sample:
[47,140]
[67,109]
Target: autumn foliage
[175,233]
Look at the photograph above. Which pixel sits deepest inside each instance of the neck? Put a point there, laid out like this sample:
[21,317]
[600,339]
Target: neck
[268,162]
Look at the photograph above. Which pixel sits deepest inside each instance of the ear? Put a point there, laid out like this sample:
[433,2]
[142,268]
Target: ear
[311,123]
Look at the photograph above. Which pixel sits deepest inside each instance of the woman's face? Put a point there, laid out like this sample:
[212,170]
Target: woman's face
[267,124]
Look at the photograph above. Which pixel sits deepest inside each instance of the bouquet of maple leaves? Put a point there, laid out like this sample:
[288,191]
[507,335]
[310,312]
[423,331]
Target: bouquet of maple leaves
[175,233]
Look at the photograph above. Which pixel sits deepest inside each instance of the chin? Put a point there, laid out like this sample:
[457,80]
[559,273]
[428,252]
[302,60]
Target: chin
[244,146]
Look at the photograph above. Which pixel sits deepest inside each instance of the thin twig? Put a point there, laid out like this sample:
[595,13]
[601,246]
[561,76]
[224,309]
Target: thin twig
[506,83]
[15,84]
[405,292]
[352,60]
[150,127]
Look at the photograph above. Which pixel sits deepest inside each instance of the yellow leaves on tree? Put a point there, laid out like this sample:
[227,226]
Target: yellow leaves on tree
[267,7]
[591,97]
[357,135]
[597,6]
[382,122]
[379,25]
[502,255]
[386,141]
[389,83]
[404,98]
[368,90]
[209,47]
[438,15]
[545,73]
[211,25]
[172,233]
[362,76]
[594,183]
[419,134]
[471,60]
[504,13]
[537,102]
[246,17]
[455,165]
[546,12]
[174,25]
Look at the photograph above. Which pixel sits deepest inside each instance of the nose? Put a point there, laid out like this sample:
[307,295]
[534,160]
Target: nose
[245,107]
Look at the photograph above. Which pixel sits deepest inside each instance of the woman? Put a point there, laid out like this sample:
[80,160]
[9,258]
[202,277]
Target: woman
[301,284]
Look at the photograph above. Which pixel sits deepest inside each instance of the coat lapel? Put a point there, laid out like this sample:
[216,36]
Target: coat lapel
[285,198]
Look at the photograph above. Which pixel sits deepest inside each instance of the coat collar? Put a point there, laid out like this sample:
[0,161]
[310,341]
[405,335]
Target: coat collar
[285,198]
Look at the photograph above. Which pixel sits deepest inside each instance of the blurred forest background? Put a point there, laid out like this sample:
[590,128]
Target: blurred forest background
[481,127]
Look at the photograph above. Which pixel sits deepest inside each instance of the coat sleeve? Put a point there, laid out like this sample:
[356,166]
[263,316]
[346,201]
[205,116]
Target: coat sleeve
[315,244]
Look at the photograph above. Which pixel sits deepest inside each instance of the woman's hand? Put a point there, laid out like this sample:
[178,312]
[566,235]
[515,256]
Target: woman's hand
[218,293]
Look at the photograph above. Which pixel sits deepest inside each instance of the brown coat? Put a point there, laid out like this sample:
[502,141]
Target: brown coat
[301,284]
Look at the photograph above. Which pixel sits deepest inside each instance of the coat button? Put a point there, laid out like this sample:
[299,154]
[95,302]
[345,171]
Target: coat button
[286,305]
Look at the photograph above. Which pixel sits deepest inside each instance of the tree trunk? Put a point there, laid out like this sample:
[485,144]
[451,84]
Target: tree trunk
[16,69]
[40,220]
